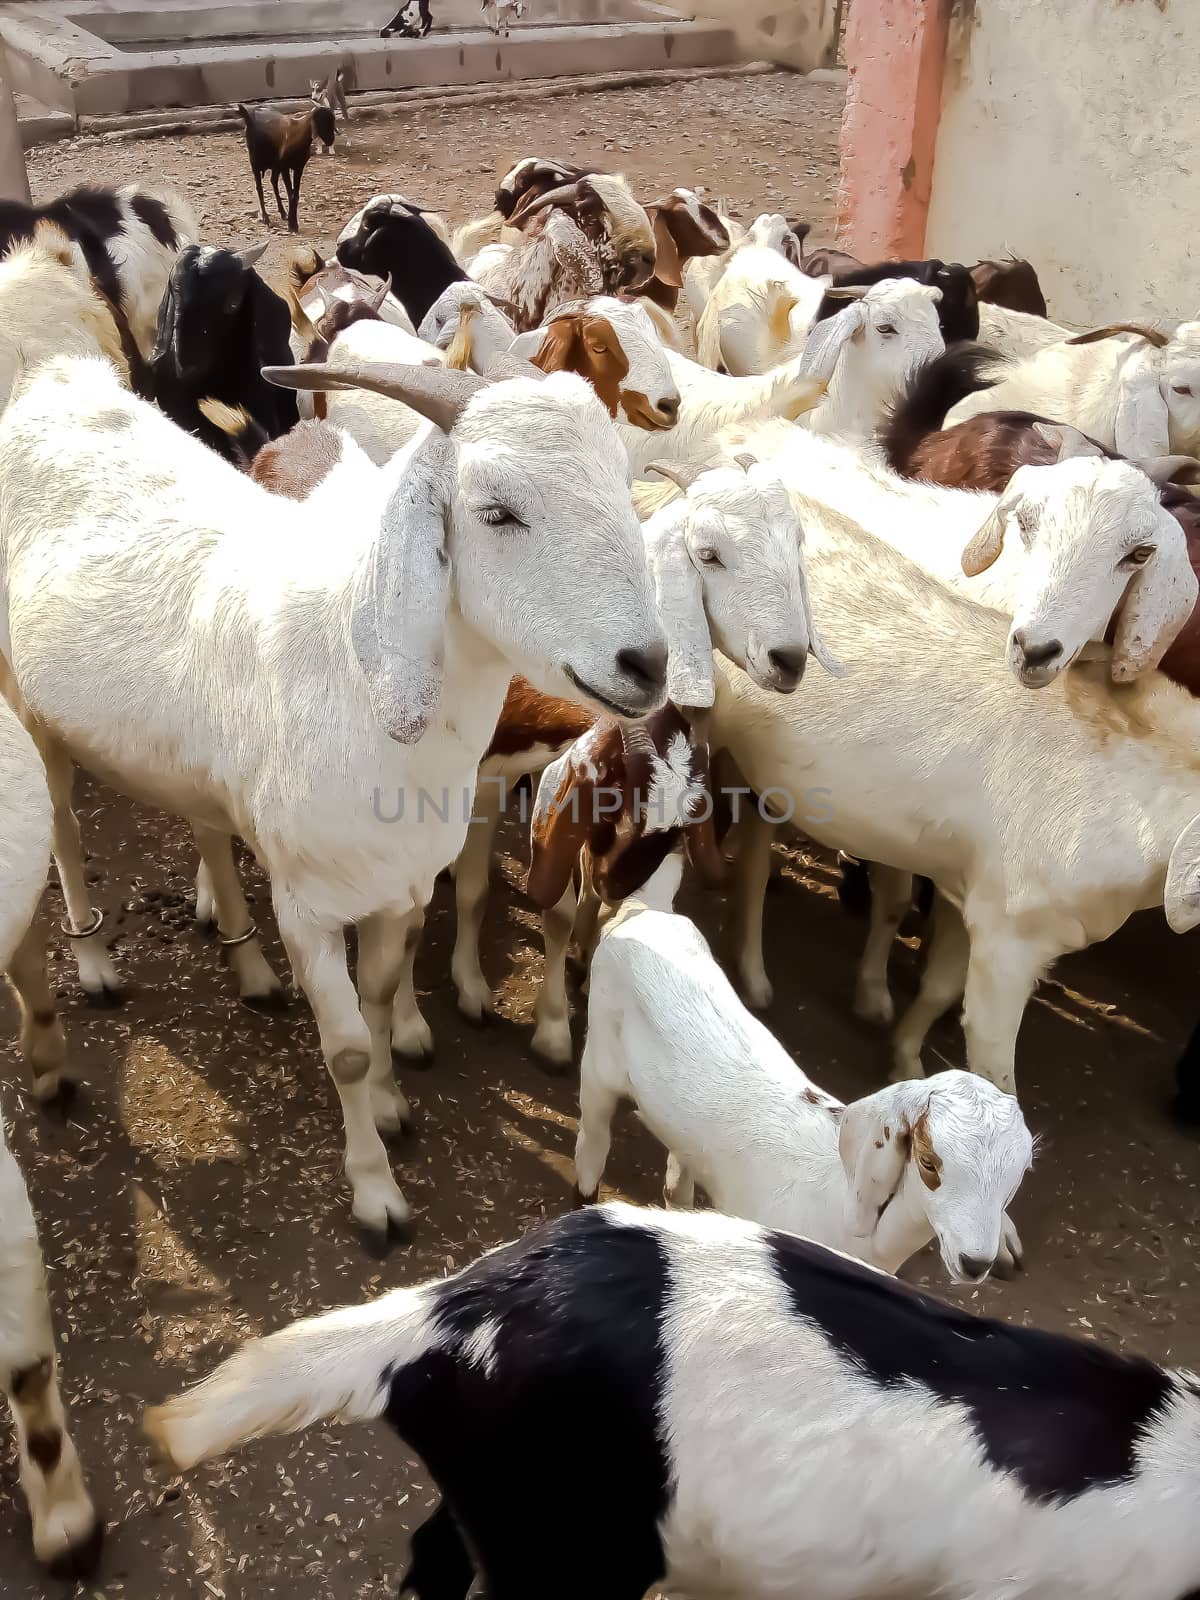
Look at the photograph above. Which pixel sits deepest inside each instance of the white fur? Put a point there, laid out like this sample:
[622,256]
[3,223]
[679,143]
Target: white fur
[491,331]
[739,1117]
[759,312]
[48,307]
[1121,391]
[1017,334]
[1041,822]
[378,425]
[278,683]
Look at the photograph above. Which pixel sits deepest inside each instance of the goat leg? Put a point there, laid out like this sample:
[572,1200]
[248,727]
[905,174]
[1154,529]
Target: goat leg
[278,199]
[262,204]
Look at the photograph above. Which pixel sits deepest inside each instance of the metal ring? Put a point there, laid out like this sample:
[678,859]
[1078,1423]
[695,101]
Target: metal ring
[242,938]
[83,933]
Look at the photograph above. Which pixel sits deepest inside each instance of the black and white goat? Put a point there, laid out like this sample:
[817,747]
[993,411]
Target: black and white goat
[218,326]
[128,240]
[390,237]
[759,1417]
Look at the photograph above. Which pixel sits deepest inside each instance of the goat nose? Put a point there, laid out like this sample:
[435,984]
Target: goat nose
[669,405]
[974,1267]
[1036,655]
[646,666]
[789,664]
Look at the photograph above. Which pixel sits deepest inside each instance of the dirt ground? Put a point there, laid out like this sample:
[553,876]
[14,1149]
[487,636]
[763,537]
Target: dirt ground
[195,1197]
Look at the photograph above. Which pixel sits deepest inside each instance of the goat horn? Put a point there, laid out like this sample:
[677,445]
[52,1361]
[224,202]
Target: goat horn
[565,194]
[681,473]
[437,393]
[255,253]
[848,291]
[506,365]
[507,306]
[383,293]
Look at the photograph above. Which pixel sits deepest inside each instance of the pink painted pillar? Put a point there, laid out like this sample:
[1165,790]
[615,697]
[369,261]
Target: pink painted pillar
[895,50]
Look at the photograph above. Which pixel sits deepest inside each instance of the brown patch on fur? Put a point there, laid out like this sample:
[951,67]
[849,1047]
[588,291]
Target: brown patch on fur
[530,719]
[588,346]
[929,1163]
[45,1449]
[294,465]
[1151,335]
[779,323]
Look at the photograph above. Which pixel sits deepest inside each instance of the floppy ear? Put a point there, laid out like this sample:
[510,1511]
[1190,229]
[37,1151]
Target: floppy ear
[827,340]
[559,350]
[1067,441]
[985,547]
[1142,424]
[1157,603]
[398,621]
[666,260]
[817,648]
[874,1142]
[679,591]
[1181,898]
[562,818]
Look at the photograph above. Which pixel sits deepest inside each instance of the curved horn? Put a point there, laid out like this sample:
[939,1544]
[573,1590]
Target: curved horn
[436,392]
[565,194]
[255,253]
[383,293]
[681,473]
[848,291]
[506,365]
[509,309]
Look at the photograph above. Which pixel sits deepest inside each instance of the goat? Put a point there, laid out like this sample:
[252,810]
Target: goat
[877,1179]
[501,14]
[685,230]
[1012,283]
[330,92]
[1136,394]
[595,239]
[406,25]
[469,326]
[1017,334]
[958,306]
[529,177]
[759,313]
[1089,540]
[388,657]
[67,1532]
[218,326]
[127,239]
[868,352]
[760,1413]
[1043,827]
[613,345]
[391,238]
[280,143]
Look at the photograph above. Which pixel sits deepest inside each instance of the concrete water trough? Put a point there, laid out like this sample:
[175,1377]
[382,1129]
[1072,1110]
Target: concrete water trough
[99,57]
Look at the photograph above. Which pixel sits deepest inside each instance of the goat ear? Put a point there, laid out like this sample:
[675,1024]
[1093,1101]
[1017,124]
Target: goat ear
[874,1142]
[559,348]
[399,616]
[985,547]
[1181,898]
[253,254]
[666,261]
[828,339]
[679,590]
[562,821]
[1157,603]
[1142,427]
[817,648]
[1067,441]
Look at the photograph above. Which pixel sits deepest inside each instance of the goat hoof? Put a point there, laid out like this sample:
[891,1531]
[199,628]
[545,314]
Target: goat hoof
[419,1060]
[275,1000]
[56,1094]
[379,1242]
[579,1199]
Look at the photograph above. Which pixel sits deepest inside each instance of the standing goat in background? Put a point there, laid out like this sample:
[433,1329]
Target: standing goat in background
[331,94]
[281,144]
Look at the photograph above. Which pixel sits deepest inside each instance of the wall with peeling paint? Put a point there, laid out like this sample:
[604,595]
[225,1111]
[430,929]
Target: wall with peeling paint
[1070,134]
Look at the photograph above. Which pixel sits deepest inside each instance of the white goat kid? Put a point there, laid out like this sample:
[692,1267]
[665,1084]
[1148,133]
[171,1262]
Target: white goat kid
[759,312]
[1092,541]
[867,353]
[274,687]
[877,1179]
[1136,395]
[67,1534]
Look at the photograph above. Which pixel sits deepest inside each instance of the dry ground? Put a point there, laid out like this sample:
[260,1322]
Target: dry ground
[195,1195]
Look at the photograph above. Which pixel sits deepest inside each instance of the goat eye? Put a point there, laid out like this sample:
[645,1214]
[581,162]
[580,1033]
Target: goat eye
[1181,388]
[709,557]
[499,517]
[887,330]
[1140,556]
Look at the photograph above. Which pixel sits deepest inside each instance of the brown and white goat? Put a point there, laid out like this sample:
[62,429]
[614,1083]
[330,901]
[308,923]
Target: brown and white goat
[685,229]
[280,143]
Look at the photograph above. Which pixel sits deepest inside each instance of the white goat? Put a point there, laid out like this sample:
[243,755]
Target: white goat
[772,1420]
[1091,541]
[275,685]
[700,277]
[877,1179]
[868,353]
[501,14]
[1017,334]
[491,333]
[67,1533]
[759,313]
[1041,822]
[1135,394]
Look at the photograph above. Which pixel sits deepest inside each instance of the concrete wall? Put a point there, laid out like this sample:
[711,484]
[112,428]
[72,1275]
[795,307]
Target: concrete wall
[1070,133]
[793,33]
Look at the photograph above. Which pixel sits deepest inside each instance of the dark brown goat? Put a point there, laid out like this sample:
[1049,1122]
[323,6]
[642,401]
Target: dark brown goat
[1012,284]
[280,143]
[684,228]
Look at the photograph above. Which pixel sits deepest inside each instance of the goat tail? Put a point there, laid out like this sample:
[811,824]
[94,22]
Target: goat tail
[245,113]
[245,435]
[337,1367]
[934,389]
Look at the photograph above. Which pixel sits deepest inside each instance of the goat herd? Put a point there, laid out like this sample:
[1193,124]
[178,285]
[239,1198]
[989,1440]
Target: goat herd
[331,574]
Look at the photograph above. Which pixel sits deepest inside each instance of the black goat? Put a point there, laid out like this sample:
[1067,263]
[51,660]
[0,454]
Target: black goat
[218,326]
[958,310]
[404,24]
[281,143]
[389,238]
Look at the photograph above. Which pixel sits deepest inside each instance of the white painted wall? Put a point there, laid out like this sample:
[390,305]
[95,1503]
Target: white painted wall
[1070,134]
